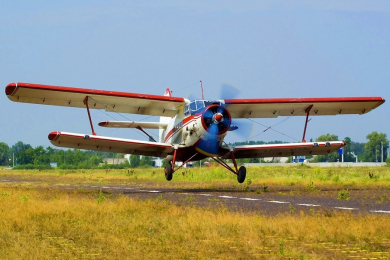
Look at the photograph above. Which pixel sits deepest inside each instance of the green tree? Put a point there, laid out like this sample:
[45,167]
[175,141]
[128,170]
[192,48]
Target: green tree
[4,156]
[134,160]
[332,157]
[373,148]
[146,161]
[348,157]
[41,156]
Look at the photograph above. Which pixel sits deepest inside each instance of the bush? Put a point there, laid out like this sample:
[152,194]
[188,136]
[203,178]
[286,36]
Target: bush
[388,161]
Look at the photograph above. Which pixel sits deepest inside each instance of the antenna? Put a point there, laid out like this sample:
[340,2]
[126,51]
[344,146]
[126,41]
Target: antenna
[201,86]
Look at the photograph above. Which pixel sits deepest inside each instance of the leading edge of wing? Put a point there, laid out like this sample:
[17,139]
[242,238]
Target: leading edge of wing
[288,149]
[109,144]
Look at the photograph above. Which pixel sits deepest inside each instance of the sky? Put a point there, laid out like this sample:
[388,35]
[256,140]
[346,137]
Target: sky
[267,49]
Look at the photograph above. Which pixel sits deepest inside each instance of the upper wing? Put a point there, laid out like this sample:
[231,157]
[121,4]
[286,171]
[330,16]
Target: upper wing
[282,150]
[266,108]
[121,102]
[109,144]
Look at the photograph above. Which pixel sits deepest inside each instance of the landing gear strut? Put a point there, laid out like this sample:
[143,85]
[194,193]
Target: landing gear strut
[170,166]
[241,173]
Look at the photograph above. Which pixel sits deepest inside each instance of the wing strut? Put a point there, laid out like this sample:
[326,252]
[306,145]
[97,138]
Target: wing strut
[151,138]
[307,111]
[89,115]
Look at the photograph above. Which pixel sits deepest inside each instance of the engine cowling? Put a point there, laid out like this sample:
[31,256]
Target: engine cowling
[216,119]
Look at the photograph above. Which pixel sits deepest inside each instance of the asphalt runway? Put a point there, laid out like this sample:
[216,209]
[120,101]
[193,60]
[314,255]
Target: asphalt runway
[277,201]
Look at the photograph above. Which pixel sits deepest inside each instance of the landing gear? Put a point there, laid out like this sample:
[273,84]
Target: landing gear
[241,174]
[169,168]
[168,171]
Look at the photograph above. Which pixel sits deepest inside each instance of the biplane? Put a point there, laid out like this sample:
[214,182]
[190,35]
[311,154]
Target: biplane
[189,130]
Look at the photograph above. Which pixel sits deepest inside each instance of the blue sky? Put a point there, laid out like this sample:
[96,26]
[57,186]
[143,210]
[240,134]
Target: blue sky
[268,49]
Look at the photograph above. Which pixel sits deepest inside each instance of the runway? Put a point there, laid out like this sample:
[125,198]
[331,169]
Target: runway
[263,203]
[277,200]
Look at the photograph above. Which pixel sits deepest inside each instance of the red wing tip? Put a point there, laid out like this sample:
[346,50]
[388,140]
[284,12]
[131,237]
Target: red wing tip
[10,89]
[54,136]
[103,123]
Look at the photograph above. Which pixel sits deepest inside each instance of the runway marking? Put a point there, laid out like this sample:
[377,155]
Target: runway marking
[309,205]
[94,186]
[155,191]
[129,188]
[106,187]
[276,201]
[227,197]
[204,194]
[249,199]
[345,208]
[380,211]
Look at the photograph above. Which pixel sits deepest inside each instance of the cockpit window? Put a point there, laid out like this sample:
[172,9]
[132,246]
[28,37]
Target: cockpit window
[198,106]
[193,106]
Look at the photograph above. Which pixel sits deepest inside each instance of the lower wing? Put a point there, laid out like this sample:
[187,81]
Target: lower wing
[282,150]
[109,144]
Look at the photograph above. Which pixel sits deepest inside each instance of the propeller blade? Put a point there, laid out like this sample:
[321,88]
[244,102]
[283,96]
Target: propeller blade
[213,129]
[229,91]
[245,129]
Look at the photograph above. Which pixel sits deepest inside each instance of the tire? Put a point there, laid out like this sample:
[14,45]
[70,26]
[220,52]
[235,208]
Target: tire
[168,171]
[241,174]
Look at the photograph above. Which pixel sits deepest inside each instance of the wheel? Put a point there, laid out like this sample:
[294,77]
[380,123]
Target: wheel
[168,171]
[241,174]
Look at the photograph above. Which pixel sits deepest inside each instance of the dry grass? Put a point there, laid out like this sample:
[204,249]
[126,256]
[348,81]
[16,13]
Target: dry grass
[48,224]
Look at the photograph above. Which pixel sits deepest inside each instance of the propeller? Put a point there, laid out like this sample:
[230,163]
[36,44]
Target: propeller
[229,91]
[242,128]
[216,120]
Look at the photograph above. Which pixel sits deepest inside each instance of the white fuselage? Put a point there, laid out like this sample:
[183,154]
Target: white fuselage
[187,129]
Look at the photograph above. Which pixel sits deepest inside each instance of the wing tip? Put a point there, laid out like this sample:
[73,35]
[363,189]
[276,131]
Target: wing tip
[53,136]
[104,123]
[11,88]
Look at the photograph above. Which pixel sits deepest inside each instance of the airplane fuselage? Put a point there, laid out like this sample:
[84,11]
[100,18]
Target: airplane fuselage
[200,128]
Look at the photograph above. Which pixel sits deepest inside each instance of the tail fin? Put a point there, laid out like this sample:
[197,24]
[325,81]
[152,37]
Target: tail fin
[168,93]
[164,119]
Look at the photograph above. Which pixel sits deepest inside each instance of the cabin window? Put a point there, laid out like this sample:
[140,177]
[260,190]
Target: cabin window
[192,106]
[199,105]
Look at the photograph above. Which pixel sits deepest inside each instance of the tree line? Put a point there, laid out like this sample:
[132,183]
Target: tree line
[24,156]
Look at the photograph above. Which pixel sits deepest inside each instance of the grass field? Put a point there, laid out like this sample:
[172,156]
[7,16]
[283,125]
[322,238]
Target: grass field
[296,176]
[49,223]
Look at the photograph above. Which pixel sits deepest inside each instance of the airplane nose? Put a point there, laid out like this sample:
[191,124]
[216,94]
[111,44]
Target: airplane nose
[218,118]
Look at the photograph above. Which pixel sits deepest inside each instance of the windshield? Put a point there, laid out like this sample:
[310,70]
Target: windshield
[197,106]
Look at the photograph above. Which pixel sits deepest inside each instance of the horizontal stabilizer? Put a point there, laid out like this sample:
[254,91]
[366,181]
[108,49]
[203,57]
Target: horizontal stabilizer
[285,150]
[109,144]
[133,124]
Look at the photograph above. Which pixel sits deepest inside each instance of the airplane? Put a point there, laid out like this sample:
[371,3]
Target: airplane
[189,130]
